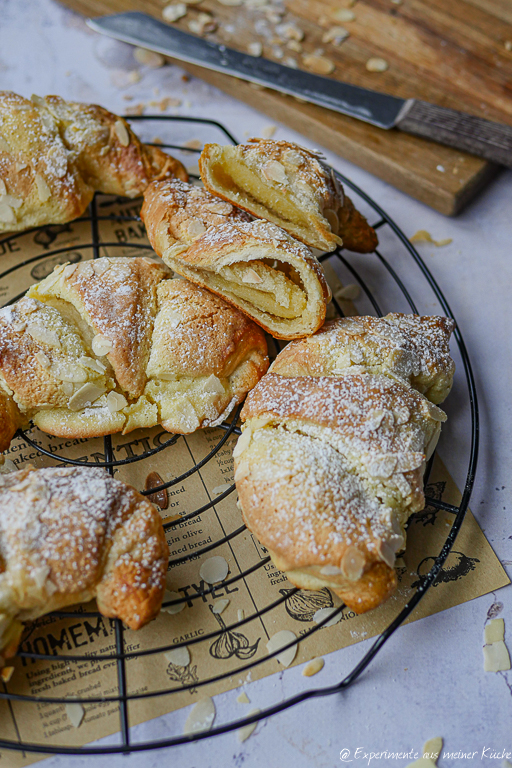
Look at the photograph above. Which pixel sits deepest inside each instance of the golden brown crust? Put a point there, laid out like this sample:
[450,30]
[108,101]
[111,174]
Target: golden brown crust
[175,212]
[330,463]
[10,420]
[289,186]
[258,268]
[68,535]
[111,345]
[55,154]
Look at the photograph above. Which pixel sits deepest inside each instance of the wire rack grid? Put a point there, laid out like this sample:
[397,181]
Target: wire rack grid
[381,222]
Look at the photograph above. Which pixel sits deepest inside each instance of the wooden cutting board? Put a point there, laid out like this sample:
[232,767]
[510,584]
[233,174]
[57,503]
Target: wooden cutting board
[456,53]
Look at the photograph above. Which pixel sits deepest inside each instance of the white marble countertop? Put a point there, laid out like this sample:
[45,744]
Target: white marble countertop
[428,680]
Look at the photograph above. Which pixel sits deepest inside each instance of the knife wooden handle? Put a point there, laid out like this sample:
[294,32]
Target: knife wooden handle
[457,129]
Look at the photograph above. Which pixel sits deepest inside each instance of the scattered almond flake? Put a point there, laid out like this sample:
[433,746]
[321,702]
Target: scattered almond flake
[243,698]
[422,236]
[269,131]
[246,730]
[220,605]
[349,292]
[116,402]
[179,656]
[121,132]
[137,109]
[42,359]
[122,79]
[496,657]
[343,14]
[75,713]
[289,61]
[240,615]
[221,489]
[203,24]
[7,215]
[494,631]
[335,35]
[508,45]
[149,58]
[201,717]
[432,748]
[294,45]
[92,364]
[172,609]
[193,144]
[157,140]
[319,64]
[375,64]
[279,640]
[313,667]
[3,188]
[440,168]
[273,170]
[214,569]
[255,49]
[100,344]
[290,31]
[167,102]
[43,190]
[324,613]
[174,11]
[6,673]
[251,276]
[277,52]
[7,466]
[85,396]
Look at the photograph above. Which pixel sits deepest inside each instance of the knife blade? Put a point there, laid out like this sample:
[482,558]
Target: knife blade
[476,135]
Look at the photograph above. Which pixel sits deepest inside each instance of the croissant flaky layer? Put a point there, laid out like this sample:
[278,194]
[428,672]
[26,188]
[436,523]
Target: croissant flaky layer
[54,154]
[70,535]
[254,265]
[330,463]
[289,186]
[113,345]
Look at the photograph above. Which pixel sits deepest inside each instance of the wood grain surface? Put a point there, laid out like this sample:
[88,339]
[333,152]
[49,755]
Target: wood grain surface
[454,53]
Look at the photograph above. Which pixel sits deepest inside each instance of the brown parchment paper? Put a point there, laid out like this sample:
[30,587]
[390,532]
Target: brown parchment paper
[471,569]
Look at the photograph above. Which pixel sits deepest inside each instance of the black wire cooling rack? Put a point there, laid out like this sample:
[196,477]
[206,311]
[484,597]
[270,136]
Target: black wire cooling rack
[378,267]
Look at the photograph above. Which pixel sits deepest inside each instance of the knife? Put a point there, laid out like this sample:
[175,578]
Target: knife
[484,138]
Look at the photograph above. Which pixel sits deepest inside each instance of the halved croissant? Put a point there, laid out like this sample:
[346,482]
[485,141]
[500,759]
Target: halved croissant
[54,154]
[111,345]
[289,186]
[330,462]
[71,534]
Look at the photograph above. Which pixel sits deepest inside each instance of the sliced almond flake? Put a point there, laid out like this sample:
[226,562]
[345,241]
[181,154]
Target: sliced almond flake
[174,11]
[90,362]
[7,466]
[294,45]
[179,656]
[290,31]
[116,402]
[201,717]
[75,713]
[3,188]
[243,470]
[254,48]
[121,132]
[324,613]
[343,14]
[43,190]
[376,64]
[213,384]
[335,35]
[269,131]
[214,569]
[203,24]
[243,698]
[69,269]
[240,614]
[247,730]
[42,359]
[85,396]
[101,345]
[7,215]
[319,64]
[221,489]
[289,61]
[14,202]
[149,58]
[313,667]
[432,748]
[251,276]
[496,657]
[67,388]
[275,171]
[6,673]
[220,605]
[4,146]
[173,609]
[494,631]
[243,442]
[330,570]
[279,640]
[422,236]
